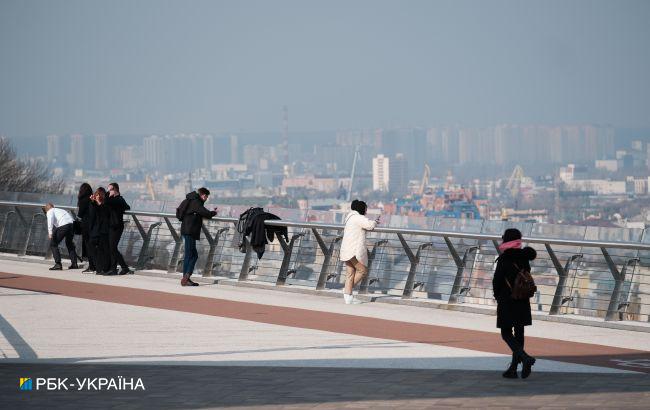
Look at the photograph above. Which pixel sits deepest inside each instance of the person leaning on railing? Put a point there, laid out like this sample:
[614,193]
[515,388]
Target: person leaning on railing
[60,227]
[354,251]
[191,213]
[117,206]
[513,314]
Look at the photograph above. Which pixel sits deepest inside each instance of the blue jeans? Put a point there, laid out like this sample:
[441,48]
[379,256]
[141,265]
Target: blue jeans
[191,255]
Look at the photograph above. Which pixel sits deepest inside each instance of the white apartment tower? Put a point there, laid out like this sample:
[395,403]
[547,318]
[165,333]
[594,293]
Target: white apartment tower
[380,173]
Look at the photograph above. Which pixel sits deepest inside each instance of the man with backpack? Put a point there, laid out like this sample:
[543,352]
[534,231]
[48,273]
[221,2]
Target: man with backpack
[191,213]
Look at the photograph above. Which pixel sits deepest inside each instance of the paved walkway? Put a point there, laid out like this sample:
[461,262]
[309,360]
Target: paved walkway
[299,350]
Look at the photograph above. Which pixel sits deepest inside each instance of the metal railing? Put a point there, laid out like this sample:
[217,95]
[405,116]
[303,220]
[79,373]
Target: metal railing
[605,277]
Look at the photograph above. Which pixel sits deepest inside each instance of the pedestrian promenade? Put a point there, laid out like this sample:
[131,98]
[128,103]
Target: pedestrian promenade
[219,345]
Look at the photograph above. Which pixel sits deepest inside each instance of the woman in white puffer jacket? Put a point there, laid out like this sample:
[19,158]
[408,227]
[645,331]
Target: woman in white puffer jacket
[353,247]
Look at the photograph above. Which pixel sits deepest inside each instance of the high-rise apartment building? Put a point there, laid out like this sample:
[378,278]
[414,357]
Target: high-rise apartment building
[101,152]
[380,173]
[77,158]
[398,175]
[54,148]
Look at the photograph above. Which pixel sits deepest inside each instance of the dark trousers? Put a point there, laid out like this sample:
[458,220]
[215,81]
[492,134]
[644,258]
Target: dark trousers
[87,250]
[191,255]
[101,252]
[58,234]
[515,342]
[114,236]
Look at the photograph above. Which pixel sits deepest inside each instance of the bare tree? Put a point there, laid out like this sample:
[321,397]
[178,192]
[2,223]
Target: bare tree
[25,176]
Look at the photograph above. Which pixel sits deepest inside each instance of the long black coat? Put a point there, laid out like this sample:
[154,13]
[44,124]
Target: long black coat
[193,215]
[511,312]
[83,203]
[99,220]
[261,234]
[83,213]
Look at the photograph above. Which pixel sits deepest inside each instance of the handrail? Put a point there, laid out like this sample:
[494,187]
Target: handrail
[404,231]
[442,284]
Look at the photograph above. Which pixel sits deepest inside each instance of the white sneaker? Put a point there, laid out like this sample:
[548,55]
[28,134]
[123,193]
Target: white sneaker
[347,298]
[355,301]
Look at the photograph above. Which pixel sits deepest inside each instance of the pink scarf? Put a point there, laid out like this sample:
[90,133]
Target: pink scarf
[510,245]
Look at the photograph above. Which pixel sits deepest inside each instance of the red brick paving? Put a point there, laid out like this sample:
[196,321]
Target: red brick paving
[552,349]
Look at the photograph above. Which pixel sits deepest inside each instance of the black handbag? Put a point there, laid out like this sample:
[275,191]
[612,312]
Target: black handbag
[76,227]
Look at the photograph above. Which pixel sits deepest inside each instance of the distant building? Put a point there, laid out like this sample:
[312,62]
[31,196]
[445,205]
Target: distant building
[77,159]
[398,175]
[101,152]
[610,165]
[54,148]
[380,173]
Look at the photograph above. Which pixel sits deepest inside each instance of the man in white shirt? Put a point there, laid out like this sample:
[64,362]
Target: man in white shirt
[59,227]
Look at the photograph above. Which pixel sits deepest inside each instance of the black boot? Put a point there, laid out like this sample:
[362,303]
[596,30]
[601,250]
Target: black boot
[57,266]
[511,372]
[527,363]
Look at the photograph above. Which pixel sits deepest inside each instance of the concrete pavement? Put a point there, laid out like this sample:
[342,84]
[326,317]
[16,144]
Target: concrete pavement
[52,320]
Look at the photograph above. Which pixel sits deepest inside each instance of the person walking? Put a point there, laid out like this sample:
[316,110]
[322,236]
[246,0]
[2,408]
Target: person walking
[100,217]
[117,206]
[191,213]
[513,314]
[83,213]
[354,251]
[59,227]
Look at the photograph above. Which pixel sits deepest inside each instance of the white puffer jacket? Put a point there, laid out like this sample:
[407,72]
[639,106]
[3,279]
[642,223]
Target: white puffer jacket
[354,237]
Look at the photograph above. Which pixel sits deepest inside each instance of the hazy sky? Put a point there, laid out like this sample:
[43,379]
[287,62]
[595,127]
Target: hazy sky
[151,66]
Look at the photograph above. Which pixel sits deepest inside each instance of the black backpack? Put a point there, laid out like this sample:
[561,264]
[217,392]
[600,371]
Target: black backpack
[245,220]
[182,209]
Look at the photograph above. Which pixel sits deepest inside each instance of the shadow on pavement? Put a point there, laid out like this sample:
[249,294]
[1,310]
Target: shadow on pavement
[176,387]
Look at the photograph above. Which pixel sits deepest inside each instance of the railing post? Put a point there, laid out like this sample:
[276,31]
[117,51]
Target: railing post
[245,267]
[619,278]
[146,239]
[496,246]
[563,275]
[23,251]
[172,266]
[414,259]
[213,242]
[28,226]
[287,250]
[328,251]
[3,227]
[366,282]
[461,263]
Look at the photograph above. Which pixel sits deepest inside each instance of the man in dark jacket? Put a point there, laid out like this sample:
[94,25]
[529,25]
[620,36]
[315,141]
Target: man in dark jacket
[117,206]
[191,212]
[513,314]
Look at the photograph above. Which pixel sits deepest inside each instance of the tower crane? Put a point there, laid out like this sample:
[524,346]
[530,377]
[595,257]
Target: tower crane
[514,182]
[425,179]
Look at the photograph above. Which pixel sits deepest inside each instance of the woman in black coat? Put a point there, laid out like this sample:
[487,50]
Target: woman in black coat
[513,314]
[83,213]
[100,219]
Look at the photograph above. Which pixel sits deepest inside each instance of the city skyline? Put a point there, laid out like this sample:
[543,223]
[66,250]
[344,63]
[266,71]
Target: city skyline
[155,67]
